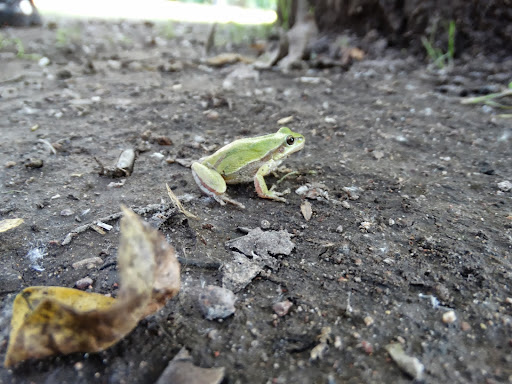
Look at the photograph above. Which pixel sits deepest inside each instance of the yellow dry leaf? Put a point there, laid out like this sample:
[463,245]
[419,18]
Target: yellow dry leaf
[45,318]
[58,320]
[228,58]
[8,224]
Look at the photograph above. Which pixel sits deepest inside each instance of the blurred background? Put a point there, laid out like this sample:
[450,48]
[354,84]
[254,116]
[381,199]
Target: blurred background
[223,11]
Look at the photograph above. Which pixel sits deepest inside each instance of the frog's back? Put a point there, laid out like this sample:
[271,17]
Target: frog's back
[243,156]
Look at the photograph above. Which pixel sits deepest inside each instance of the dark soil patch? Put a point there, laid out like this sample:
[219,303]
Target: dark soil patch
[415,209]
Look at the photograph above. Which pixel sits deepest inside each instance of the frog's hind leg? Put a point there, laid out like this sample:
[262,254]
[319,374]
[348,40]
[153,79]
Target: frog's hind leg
[212,184]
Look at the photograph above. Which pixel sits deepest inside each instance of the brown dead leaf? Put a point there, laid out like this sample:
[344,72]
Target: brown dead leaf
[58,320]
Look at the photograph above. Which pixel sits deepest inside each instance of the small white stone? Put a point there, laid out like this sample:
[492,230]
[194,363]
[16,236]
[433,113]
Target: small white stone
[368,320]
[114,64]
[365,225]
[505,186]
[338,344]
[158,155]
[43,61]
[449,317]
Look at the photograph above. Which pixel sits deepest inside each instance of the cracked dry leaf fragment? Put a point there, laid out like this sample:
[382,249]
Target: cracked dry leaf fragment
[306,210]
[58,320]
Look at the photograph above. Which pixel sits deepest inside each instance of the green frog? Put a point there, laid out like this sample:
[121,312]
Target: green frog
[246,160]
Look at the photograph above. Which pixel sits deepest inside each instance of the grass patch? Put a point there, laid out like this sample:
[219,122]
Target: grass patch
[437,56]
[18,46]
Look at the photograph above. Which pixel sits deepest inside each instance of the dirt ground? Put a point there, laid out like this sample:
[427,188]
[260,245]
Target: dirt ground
[415,223]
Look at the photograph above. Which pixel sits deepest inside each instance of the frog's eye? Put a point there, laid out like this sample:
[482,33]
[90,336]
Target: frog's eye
[290,140]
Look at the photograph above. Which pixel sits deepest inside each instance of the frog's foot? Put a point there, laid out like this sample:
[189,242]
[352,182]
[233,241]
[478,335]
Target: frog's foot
[273,195]
[263,191]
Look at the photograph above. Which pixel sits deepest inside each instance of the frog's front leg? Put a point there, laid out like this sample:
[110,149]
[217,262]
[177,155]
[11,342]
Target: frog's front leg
[212,184]
[261,187]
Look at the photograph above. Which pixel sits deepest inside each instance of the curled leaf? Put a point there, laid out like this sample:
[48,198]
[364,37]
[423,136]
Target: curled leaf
[58,320]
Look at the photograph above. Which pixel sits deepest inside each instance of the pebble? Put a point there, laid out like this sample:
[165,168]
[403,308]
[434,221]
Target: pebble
[487,109]
[465,326]
[378,155]
[365,225]
[114,64]
[339,228]
[135,66]
[67,212]
[345,204]
[34,163]
[163,140]
[505,186]
[10,164]
[89,263]
[64,74]
[449,317]
[368,320]
[338,344]
[282,308]
[264,224]
[83,283]
[411,365]
[157,155]
[212,115]
[216,302]
[43,61]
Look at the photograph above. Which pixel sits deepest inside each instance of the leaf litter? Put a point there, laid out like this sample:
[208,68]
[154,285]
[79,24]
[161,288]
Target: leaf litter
[59,320]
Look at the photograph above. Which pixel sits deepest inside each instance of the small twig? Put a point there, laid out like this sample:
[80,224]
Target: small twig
[105,266]
[14,191]
[13,80]
[199,263]
[151,208]
[49,145]
[177,203]
[102,167]
[285,176]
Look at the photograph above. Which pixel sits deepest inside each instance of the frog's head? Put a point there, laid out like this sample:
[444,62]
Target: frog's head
[291,142]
